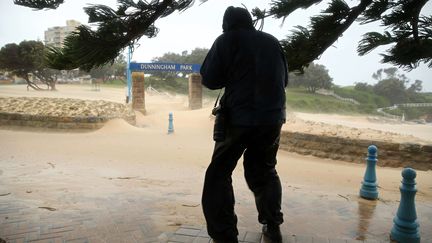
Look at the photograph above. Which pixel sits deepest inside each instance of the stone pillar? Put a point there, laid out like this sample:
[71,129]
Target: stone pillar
[138,95]
[195,91]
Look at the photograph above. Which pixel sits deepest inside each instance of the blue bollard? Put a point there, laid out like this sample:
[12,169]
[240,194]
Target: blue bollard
[368,189]
[170,123]
[406,227]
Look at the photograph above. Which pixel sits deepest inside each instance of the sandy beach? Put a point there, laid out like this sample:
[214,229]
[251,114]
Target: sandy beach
[79,171]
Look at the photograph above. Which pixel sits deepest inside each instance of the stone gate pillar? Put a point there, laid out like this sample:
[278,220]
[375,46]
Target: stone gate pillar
[138,95]
[195,91]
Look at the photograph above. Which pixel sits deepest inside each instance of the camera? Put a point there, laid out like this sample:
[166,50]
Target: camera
[219,124]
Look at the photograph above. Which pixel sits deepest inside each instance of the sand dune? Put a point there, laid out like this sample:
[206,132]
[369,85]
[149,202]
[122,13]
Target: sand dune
[117,125]
[422,131]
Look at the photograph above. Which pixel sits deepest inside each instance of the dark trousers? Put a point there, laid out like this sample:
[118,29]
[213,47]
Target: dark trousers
[259,145]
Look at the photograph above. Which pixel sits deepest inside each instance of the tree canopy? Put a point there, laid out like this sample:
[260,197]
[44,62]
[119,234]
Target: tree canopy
[393,86]
[197,55]
[407,33]
[116,70]
[27,58]
[314,77]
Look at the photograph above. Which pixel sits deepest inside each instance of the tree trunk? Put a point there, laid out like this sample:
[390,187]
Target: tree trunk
[311,89]
[52,84]
[30,83]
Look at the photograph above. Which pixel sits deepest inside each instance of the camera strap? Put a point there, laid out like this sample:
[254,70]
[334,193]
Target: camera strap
[217,99]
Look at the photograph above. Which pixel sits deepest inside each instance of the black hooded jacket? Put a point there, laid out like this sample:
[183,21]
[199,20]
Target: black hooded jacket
[252,68]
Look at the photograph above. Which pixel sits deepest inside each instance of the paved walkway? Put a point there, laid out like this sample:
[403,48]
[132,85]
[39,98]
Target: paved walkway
[191,234]
[130,219]
[62,205]
[89,195]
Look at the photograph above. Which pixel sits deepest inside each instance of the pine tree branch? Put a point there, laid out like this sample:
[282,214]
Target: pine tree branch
[281,9]
[411,34]
[39,4]
[409,52]
[372,40]
[86,48]
[414,8]
[375,10]
[306,45]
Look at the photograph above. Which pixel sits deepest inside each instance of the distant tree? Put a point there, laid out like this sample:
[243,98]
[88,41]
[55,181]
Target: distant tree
[393,89]
[27,59]
[392,85]
[314,77]
[408,34]
[196,56]
[119,67]
[169,57]
[103,73]
[413,92]
[390,72]
[386,73]
[416,87]
[363,87]
[110,71]
[378,74]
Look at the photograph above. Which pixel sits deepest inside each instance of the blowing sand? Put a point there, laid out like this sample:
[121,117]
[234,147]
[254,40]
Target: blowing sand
[367,127]
[73,171]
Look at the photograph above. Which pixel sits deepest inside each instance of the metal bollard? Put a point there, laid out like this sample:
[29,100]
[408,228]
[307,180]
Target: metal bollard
[170,123]
[406,227]
[369,185]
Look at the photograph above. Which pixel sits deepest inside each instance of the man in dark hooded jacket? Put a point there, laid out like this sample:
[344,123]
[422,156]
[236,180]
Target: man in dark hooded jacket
[252,68]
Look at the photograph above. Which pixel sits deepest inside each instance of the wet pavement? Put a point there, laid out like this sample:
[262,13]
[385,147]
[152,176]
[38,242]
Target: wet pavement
[199,235]
[91,194]
[132,217]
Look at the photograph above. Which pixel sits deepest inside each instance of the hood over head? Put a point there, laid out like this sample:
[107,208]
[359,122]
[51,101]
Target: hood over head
[236,18]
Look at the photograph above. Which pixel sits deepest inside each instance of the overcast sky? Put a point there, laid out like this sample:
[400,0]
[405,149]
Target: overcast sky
[200,25]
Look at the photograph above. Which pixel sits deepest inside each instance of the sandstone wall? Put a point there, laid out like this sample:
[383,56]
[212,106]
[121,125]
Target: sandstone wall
[416,156]
[195,91]
[39,121]
[138,92]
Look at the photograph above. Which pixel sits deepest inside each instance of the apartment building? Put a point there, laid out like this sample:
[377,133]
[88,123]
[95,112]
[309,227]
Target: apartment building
[55,36]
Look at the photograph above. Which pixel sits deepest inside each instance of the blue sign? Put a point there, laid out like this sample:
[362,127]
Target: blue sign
[164,67]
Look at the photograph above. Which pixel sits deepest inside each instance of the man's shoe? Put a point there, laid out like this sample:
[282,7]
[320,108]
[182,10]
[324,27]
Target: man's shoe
[273,233]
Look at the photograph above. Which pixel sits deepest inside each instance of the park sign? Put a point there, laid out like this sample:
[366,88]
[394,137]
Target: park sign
[164,67]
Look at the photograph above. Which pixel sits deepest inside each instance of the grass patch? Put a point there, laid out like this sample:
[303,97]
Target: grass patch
[362,97]
[301,100]
[427,97]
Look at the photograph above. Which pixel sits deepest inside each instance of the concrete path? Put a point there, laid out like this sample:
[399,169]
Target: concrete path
[132,219]
[191,234]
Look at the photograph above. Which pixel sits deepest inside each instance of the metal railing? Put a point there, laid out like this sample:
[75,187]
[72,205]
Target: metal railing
[395,106]
[331,93]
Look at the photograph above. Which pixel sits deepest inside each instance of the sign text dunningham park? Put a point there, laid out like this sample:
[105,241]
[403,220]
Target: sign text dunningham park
[165,67]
